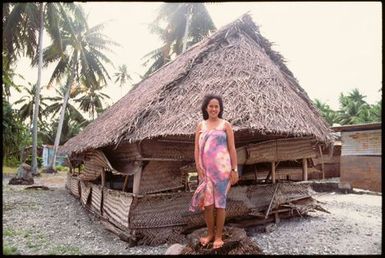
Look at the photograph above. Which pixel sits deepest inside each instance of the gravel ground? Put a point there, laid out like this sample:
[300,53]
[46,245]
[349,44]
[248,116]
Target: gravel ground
[37,222]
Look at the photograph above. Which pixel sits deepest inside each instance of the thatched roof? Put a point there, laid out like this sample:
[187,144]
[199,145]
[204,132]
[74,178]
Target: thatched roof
[260,94]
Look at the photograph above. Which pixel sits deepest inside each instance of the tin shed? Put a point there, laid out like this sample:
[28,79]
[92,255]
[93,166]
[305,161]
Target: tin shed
[360,164]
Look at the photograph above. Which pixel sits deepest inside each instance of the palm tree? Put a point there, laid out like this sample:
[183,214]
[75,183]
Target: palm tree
[21,21]
[71,112]
[186,24]
[27,101]
[326,112]
[92,98]
[122,76]
[71,128]
[353,108]
[375,112]
[80,56]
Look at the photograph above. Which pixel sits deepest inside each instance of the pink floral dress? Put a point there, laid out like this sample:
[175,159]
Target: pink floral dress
[215,161]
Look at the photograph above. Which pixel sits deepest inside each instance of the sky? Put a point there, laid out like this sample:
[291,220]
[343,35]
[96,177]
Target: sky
[330,47]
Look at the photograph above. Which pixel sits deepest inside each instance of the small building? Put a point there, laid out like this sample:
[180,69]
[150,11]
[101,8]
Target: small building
[47,154]
[360,164]
[132,165]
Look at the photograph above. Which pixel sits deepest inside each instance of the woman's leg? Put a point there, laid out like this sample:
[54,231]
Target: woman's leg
[209,218]
[220,222]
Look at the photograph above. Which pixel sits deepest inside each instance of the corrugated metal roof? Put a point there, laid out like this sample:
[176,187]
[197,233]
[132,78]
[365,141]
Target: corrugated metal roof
[361,143]
[356,127]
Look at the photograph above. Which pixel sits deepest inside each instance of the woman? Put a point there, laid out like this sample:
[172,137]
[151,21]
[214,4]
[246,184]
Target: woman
[216,163]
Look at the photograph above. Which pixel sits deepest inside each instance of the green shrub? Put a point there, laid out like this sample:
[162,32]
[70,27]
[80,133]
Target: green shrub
[11,161]
[10,250]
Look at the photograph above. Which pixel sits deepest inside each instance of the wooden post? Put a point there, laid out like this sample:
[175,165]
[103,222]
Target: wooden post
[273,172]
[125,183]
[276,218]
[322,162]
[103,175]
[304,169]
[137,177]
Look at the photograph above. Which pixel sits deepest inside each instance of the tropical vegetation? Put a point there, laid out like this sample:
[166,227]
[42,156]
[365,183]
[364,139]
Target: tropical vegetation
[79,54]
[353,109]
[178,25]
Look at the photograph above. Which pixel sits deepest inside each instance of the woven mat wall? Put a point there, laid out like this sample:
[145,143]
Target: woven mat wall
[160,176]
[159,211]
[171,150]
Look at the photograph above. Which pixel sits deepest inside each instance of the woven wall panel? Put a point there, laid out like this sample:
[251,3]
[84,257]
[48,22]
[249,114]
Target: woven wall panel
[85,189]
[160,176]
[170,150]
[245,200]
[279,150]
[75,187]
[96,198]
[116,207]
[160,211]
[126,151]
[94,164]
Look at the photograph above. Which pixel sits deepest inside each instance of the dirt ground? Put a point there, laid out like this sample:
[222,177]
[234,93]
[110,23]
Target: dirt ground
[40,222]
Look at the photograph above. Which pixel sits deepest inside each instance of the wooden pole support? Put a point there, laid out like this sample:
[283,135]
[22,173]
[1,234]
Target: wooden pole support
[125,183]
[304,169]
[273,176]
[137,177]
[103,178]
[322,162]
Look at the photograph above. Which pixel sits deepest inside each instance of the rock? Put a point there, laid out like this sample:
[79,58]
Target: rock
[175,249]
[23,176]
[235,242]
[270,227]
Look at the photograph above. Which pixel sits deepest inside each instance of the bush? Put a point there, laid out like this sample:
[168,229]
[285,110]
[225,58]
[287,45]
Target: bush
[39,161]
[60,168]
[12,161]
[10,250]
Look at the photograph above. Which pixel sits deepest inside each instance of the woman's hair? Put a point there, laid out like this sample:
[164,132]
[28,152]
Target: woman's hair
[205,103]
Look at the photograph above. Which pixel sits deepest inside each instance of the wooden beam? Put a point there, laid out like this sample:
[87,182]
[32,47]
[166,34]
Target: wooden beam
[273,176]
[322,162]
[136,185]
[304,169]
[125,183]
[103,175]
[271,202]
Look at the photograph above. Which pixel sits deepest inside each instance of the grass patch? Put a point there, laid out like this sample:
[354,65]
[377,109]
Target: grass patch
[10,232]
[64,250]
[9,171]
[10,250]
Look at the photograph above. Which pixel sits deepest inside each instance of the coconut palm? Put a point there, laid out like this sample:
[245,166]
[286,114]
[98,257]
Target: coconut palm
[92,99]
[327,113]
[186,24]
[70,128]
[80,56]
[122,77]
[52,110]
[21,21]
[8,78]
[27,101]
[353,108]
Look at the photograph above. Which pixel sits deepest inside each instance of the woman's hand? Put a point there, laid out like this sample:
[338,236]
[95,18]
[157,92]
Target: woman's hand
[234,177]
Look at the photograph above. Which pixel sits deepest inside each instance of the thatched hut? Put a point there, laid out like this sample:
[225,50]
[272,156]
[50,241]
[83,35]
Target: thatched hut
[137,156]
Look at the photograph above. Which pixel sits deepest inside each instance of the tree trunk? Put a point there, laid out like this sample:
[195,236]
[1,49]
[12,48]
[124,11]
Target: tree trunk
[52,163]
[37,95]
[188,19]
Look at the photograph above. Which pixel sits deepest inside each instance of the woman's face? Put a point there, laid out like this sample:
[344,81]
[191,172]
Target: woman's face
[213,108]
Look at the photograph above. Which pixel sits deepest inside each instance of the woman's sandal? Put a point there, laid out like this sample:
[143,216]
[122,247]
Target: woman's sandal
[218,243]
[206,240]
